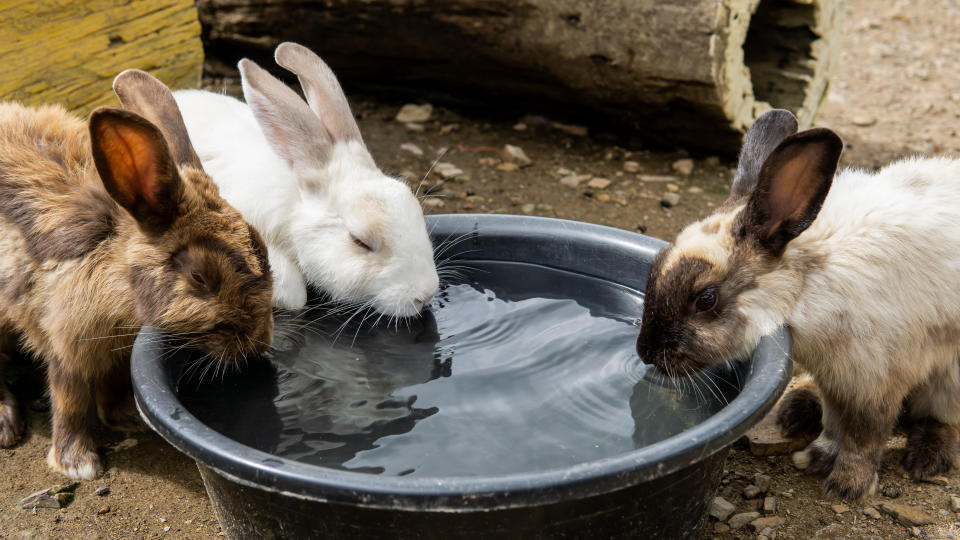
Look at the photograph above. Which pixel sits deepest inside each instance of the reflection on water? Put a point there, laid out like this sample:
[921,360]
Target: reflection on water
[499,376]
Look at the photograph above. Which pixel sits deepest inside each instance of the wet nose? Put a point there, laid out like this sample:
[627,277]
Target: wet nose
[424,299]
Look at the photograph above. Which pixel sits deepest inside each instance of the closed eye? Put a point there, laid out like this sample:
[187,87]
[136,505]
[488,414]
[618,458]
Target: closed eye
[360,243]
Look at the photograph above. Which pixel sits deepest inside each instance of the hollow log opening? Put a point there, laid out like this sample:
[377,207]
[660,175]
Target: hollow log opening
[778,52]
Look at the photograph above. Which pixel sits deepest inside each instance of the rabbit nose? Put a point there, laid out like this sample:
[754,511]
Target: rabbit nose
[424,300]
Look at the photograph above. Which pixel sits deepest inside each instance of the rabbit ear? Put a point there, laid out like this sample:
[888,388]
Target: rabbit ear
[145,95]
[291,128]
[136,167]
[764,135]
[322,89]
[791,187]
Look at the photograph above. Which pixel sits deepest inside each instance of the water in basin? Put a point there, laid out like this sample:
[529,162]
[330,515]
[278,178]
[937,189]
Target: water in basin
[514,368]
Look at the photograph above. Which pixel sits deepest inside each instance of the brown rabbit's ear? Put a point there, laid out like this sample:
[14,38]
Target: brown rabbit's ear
[145,95]
[767,131]
[791,187]
[136,167]
[323,91]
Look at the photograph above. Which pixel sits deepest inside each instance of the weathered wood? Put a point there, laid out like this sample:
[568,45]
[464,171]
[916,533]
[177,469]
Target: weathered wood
[64,51]
[674,70]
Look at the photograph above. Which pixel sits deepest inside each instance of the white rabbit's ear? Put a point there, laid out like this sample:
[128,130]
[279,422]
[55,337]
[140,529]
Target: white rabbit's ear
[291,128]
[322,89]
[767,131]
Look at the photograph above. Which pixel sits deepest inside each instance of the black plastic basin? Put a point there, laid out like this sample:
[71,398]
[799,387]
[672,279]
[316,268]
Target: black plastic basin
[656,491]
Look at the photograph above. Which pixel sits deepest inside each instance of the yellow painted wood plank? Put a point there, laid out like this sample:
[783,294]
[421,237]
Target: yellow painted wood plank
[68,51]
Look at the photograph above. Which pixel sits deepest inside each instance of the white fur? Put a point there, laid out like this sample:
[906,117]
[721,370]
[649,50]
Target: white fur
[307,217]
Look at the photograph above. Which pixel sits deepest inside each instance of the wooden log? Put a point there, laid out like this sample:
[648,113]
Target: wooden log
[689,72]
[68,52]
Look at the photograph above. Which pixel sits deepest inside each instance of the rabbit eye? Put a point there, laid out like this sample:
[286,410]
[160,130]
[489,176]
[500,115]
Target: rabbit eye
[360,243]
[198,279]
[707,300]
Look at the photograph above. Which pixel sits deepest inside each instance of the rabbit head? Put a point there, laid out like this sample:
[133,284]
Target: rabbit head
[712,295]
[357,234]
[195,266]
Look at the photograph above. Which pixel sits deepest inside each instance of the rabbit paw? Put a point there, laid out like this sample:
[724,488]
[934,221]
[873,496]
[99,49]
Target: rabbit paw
[931,449]
[800,413]
[123,418]
[852,477]
[817,458]
[11,424]
[77,460]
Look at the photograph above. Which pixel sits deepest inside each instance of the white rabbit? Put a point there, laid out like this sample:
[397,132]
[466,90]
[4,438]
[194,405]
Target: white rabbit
[304,178]
[867,280]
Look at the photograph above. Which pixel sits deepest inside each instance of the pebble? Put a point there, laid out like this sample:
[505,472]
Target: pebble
[721,508]
[528,208]
[762,481]
[563,171]
[412,148]
[574,180]
[433,202]
[891,490]
[103,509]
[955,503]
[570,129]
[720,528]
[694,189]
[943,512]
[656,178]
[415,127]
[863,120]
[840,508]
[515,154]
[669,200]
[447,170]
[602,197]
[507,166]
[712,161]
[409,176]
[631,166]
[53,497]
[770,522]
[101,491]
[673,188]
[412,112]
[751,491]
[683,166]
[519,126]
[871,512]
[166,529]
[910,516]
[598,183]
[770,505]
[739,520]
[448,128]
[832,531]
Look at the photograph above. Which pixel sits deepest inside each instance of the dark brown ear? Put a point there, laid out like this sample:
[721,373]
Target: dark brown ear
[791,187]
[145,95]
[136,167]
[767,131]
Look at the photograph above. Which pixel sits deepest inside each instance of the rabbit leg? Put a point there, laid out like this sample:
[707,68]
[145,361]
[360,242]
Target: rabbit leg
[72,451]
[11,423]
[818,457]
[934,441]
[800,412]
[865,428]
[114,396]
[289,285]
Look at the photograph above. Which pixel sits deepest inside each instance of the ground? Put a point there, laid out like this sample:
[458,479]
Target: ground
[896,91]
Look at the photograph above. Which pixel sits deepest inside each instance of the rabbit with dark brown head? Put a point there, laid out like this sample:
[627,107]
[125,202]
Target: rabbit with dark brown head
[867,279]
[103,231]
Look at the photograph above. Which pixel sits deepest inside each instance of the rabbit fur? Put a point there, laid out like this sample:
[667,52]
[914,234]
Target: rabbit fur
[105,229]
[867,280]
[302,175]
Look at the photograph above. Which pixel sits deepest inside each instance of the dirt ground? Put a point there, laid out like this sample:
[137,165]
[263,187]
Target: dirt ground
[896,91]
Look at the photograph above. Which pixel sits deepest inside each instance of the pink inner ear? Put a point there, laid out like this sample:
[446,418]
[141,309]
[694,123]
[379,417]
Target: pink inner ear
[133,161]
[791,190]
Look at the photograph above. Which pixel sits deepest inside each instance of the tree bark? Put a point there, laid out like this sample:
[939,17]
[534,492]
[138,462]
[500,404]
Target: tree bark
[689,72]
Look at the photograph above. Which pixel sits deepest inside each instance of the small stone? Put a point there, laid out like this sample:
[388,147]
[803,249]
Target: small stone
[447,170]
[762,481]
[448,128]
[955,503]
[712,161]
[891,490]
[831,532]
[563,171]
[166,529]
[656,178]
[751,492]
[943,512]
[54,497]
[125,444]
[673,188]
[412,112]
[840,508]
[602,197]
[915,531]
[770,505]
[910,516]
[764,439]
[871,512]
[409,176]
[694,189]
[721,509]
[415,127]
[669,200]
[720,528]
[103,509]
[515,154]
[574,180]
[770,522]
[683,166]
[433,202]
[863,120]
[519,126]
[528,208]
[507,166]
[412,148]
[631,166]
[101,491]
[570,129]
[598,183]
[739,520]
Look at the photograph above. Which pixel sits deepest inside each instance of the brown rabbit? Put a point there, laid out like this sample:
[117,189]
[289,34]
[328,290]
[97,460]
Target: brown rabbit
[103,231]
